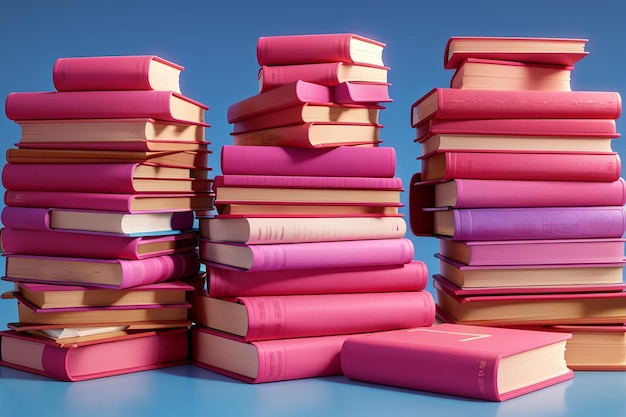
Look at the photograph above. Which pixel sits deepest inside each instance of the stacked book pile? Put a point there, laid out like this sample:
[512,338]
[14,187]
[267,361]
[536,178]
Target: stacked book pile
[520,185]
[308,246]
[100,235]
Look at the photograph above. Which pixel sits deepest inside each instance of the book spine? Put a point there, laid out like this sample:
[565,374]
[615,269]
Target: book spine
[352,93]
[28,218]
[285,181]
[326,73]
[288,50]
[158,269]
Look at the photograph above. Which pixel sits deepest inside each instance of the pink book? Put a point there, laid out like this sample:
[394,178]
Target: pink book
[318,48]
[302,181]
[358,92]
[412,276]
[266,360]
[159,105]
[89,360]
[132,72]
[135,145]
[468,361]
[341,161]
[93,245]
[306,255]
[454,103]
[287,316]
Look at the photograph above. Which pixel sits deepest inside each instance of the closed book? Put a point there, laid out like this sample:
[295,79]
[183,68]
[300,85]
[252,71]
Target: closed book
[159,105]
[77,362]
[111,273]
[130,72]
[318,48]
[284,317]
[266,360]
[222,282]
[277,209]
[349,92]
[479,362]
[306,255]
[340,161]
[455,103]
[138,145]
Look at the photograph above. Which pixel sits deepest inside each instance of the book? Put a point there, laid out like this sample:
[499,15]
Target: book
[536,252]
[159,105]
[339,161]
[130,224]
[66,335]
[324,73]
[521,166]
[288,316]
[307,210]
[127,203]
[94,244]
[105,273]
[224,283]
[456,103]
[99,130]
[267,360]
[349,92]
[490,74]
[493,364]
[121,146]
[251,230]
[558,51]
[319,48]
[311,135]
[77,362]
[130,72]
[291,94]
[314,113]
[306,255]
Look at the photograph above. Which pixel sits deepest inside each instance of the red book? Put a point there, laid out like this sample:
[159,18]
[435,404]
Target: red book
[325,73]
[306,181]
[359,92]
[308,255]
[123,146]
[318,48]
[133,72]
[89,360]
[266,360]
[158,105]
[469,361]
[340,161]
[223,282]
[455,103]
[288,316]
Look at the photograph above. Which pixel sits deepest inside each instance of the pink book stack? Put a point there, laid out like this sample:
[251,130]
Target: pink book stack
[103,191]
[307,245]
[524,193]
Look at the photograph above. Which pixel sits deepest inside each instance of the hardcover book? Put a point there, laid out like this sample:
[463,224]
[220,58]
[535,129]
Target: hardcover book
[123,146]
[349,92]
[307,210]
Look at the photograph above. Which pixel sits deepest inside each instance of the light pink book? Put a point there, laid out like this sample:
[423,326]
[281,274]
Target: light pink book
[222,282]
[358,92]
[89,360]
[287,316]
[306,255]
[466,361]
[306,181]
[131,72]
[340,161]
[134,145]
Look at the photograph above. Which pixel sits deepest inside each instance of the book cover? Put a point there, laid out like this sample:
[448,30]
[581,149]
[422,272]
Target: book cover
[494,364]
[288,316]
[349,92]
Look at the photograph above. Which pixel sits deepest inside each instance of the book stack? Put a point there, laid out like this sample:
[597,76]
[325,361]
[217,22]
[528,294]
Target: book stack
[520,185]
[308,246]
[100,235]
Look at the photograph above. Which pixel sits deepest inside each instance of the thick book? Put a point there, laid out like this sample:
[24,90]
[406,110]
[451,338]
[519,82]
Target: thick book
[493,364]
[105,273]
[349,92]
[77,362]
[223,283]
[119,223]
[251,230]
[307,210]
[340,161]
[456,103]
[556,51]
[306,255]
[266,360]
[324,73]
[159,105]
[521,166]
[130,72]
[288,316]
[311,135]
[319,48]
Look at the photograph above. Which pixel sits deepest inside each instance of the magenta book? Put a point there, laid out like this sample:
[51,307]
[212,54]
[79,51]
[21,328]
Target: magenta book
[307,181]
[350,92]
[130,146]
[467,361]
[341,161]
